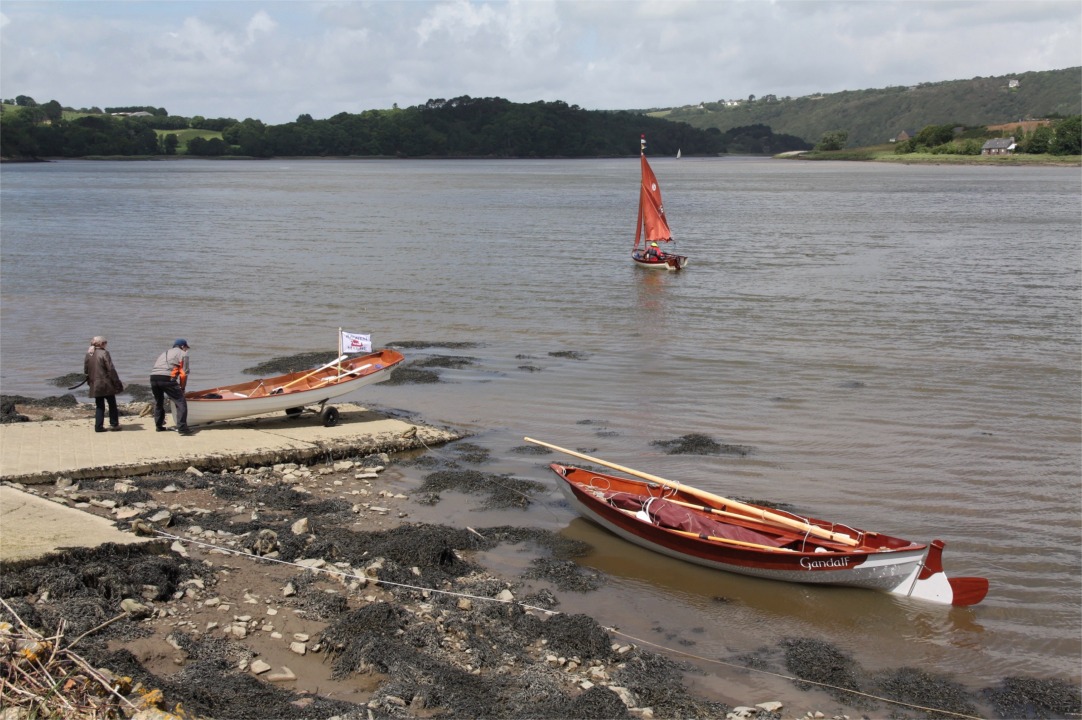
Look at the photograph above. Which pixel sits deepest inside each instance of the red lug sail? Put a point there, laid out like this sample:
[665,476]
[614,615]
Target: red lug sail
[652,225]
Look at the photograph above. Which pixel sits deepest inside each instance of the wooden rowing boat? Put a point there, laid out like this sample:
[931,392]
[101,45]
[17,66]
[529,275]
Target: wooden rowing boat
[293,391]
[698,527]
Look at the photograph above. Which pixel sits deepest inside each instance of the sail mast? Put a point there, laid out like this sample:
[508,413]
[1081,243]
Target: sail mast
[642,180]
[651,210]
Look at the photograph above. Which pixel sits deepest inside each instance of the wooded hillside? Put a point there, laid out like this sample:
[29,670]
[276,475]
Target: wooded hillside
[459,127]
[872,117]
[499,128]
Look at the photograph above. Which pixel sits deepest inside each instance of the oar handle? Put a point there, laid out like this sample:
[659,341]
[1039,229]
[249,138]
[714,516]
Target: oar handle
[336,378]
[754,512]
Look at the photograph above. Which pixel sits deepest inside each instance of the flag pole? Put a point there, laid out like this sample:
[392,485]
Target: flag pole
[340,352]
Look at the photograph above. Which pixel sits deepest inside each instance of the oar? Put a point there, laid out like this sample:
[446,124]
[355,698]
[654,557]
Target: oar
[318,369]
[763,515]
[338,378]
[731,542]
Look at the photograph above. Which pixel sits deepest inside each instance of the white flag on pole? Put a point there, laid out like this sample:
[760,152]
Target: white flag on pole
[355,343]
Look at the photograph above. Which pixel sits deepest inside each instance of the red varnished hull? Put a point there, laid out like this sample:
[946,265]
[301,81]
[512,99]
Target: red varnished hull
[727,538]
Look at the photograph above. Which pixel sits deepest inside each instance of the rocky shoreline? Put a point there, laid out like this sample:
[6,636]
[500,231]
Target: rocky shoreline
[272,603]
[294,591]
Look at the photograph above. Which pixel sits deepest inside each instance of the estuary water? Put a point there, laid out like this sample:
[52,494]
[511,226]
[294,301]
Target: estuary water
[898,348]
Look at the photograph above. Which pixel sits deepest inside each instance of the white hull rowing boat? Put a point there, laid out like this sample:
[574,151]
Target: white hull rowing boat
[291,392]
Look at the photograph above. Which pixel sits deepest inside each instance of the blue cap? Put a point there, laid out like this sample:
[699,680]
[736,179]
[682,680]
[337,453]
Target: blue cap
[180,342]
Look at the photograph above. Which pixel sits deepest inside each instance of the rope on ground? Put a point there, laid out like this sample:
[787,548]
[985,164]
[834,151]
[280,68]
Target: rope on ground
[342,574]
[791,678]
[664,648]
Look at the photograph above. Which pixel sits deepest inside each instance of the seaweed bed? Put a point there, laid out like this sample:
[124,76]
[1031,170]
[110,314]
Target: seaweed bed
[406,612]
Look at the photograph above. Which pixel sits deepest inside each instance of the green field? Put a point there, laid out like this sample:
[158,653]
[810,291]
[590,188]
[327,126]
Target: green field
[185,135]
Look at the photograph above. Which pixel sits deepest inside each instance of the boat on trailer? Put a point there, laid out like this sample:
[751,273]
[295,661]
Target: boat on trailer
[293,392]
[682,522]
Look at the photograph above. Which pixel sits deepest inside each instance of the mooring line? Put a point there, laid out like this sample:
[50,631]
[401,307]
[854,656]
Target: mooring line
[340,573]
[546,611]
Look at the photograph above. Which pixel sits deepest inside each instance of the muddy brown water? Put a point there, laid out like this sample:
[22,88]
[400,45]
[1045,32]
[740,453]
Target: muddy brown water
[896,347]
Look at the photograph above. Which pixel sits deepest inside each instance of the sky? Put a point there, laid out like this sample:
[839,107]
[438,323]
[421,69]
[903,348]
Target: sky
[274,60]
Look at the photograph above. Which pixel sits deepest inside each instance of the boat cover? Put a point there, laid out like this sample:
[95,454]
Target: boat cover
[669,515]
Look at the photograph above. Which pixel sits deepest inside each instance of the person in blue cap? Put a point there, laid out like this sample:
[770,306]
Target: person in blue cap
[169,378]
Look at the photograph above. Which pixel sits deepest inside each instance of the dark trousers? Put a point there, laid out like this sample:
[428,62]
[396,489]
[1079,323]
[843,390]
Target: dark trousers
[162,386]
[99,412]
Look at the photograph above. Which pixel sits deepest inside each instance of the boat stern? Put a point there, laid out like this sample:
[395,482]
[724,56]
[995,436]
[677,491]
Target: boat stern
[929,582]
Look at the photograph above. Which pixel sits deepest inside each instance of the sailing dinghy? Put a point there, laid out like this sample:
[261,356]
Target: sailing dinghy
[292,392]
[652,227]
[692,525]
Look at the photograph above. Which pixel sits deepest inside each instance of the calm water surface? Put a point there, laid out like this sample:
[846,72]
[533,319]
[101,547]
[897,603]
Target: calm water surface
[899,346]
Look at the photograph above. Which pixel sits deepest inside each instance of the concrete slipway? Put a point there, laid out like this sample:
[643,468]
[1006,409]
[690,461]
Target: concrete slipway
[40,452]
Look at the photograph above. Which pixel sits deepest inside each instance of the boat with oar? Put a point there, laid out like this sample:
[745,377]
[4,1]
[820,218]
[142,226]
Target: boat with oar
[699,527]
[293,392]
[652,227]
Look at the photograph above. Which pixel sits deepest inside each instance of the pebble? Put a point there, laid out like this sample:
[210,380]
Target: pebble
[283,675]
[258,667]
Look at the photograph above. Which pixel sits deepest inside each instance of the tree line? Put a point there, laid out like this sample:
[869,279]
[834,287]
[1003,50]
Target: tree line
[1060,138]
[1063,137]
[460,127]
[455,128]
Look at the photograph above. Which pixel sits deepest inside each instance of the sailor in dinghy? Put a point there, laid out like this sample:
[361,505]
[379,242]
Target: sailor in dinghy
[652,226]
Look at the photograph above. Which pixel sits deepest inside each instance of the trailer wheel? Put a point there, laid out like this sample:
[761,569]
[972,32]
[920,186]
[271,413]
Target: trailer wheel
[293,412]
[329,416]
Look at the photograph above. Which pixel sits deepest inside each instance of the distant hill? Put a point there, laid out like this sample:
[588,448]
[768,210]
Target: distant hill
[498,128]
[872,117]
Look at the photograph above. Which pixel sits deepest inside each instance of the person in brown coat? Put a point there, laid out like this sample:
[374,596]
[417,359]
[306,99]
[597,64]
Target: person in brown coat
[103,382]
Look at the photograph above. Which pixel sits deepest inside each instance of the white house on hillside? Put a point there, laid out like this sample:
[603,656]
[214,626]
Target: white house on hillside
[999,146]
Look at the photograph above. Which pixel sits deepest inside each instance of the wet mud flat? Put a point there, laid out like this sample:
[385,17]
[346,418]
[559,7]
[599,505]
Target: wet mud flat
[309,592]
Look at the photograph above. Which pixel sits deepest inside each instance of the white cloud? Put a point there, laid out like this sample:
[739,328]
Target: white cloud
[276,60]
[260,23]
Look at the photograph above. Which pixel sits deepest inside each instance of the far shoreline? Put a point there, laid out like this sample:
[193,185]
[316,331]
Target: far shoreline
[856,155]
[888,156]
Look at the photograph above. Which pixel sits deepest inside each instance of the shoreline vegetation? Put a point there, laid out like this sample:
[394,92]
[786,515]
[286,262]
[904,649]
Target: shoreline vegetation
[497,128]
[869,154]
